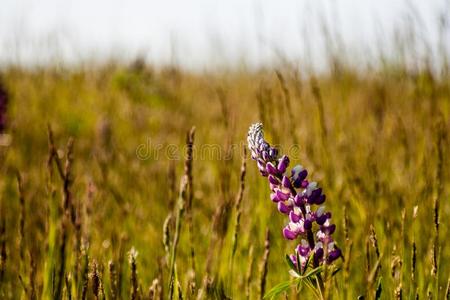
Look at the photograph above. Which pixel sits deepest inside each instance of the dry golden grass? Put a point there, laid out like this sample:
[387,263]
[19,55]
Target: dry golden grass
[377,141]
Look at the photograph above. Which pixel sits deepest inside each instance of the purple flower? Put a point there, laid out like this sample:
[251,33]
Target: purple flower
[303,248]
[334,254]
[289,234]
[282,195]
[299,199]
[283,208]
[3,108]
[283,164]
[273,180]
[298,174]
[270,168]
[294,217]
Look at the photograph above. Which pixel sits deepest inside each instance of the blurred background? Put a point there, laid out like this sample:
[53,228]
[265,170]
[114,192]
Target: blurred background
[97,97]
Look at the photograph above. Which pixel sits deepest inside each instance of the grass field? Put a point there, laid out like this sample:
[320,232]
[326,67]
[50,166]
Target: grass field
[92,213]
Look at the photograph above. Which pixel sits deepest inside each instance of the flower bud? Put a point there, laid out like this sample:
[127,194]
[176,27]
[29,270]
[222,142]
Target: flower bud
[314,195]
[283,164]
[283,208]
[298,174]
[334,254]
[298,200]
[320,200]
[321,219]
[273,180]
[293,259]
[270,168]
[288,234]
[282,196]
[274,197]
[273,153]
[286,182]
[318,255]
[294,217]
[303,248]
[328,229]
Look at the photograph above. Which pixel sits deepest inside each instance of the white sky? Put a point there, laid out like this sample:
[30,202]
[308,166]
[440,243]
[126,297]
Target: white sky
[204,33]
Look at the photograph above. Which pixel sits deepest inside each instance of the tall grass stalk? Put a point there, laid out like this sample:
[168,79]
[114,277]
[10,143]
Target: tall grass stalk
[113,281]
[238,211]
[21,217]
[440,137]
[183,200]
[134,284]
[249,273]
[190,197]
[264,267]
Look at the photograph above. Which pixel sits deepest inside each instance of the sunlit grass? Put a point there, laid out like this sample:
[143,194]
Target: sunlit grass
[377,141]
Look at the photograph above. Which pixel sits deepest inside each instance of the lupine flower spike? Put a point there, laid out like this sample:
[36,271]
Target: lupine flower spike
[301,201]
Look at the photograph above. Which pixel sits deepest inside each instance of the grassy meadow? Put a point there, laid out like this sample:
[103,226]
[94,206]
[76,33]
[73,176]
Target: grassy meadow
[93,168]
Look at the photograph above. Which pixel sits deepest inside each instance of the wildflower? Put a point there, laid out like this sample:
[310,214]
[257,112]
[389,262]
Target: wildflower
[302,201]
[3,108]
